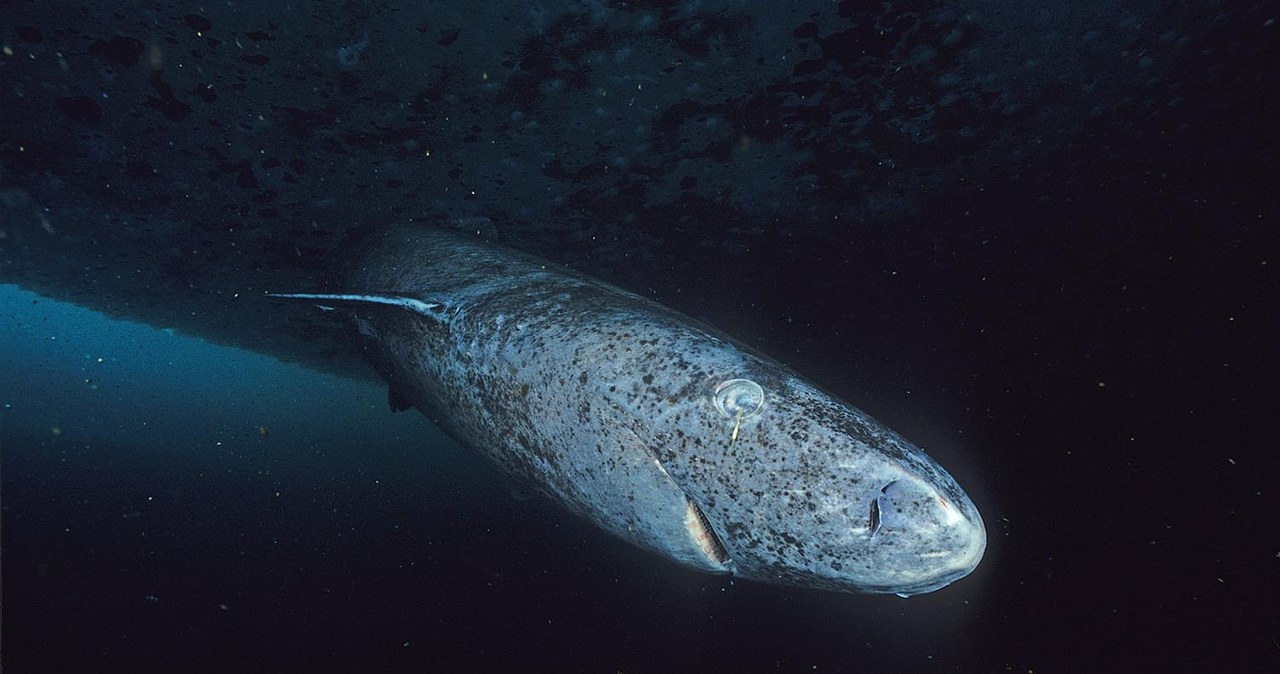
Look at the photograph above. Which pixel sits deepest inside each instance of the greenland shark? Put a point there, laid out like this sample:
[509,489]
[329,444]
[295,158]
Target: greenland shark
[650,425]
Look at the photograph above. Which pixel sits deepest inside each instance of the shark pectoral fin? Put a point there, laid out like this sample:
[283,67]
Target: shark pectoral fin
[638,500]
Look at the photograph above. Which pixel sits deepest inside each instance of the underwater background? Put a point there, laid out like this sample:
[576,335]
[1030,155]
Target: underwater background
[1037,239]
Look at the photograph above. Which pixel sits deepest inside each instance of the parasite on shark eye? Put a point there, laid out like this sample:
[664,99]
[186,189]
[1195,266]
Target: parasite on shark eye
[736,399]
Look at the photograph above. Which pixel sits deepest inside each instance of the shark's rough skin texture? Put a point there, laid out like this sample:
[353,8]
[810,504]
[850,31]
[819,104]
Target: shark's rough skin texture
[647,424]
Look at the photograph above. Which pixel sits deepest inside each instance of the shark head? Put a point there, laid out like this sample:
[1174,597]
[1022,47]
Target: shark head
[798,488]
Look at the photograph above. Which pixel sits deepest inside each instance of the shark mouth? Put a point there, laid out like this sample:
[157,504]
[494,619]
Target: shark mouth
[701,533]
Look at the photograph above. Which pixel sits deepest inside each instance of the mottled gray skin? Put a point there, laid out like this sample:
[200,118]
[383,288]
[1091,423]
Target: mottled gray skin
[605,401]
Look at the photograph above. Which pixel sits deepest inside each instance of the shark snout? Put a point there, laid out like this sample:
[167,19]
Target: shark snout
[939,536]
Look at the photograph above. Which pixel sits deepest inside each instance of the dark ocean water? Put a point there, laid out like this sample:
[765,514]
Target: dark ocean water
[1040,242]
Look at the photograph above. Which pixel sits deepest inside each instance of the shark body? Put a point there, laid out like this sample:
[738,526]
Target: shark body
[649,425]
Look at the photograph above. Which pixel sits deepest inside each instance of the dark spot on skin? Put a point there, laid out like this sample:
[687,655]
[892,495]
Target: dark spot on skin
[524,390]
